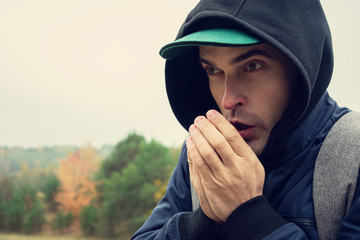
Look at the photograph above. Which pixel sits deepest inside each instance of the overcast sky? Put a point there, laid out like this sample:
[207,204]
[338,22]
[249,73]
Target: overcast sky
[88,71]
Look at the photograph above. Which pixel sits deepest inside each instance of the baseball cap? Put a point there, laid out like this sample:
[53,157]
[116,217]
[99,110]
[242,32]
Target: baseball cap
[222,37]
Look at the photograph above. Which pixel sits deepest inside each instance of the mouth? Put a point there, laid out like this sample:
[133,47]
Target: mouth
[240,126]
[246,131]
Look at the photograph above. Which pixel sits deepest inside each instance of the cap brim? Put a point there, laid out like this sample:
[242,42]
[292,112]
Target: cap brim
[211,37]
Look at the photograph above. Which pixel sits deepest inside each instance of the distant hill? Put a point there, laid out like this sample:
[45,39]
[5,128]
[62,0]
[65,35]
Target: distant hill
[12,158]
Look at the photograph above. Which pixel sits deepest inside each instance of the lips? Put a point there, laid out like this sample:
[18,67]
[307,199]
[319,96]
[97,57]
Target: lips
[240,126]
[246,131]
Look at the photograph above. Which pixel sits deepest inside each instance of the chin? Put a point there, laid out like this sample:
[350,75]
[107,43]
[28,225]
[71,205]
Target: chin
[257,147]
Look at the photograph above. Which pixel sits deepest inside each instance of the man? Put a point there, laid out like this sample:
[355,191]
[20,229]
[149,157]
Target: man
[248,79]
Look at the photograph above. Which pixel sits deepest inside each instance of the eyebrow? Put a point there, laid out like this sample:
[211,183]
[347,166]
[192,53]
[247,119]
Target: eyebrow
[241,57]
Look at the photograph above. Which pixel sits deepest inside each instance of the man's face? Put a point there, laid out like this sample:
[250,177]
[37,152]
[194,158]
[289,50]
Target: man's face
[252,87]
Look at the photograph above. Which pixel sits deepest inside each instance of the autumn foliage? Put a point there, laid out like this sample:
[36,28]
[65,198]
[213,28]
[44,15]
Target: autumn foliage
[77,186]
[104,196]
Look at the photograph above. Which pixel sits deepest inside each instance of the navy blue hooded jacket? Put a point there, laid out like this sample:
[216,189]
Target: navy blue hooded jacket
[298,28]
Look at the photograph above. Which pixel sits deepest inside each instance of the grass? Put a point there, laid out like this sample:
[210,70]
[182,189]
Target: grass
[72,233]
[5,236]
[38,237]
[34,237]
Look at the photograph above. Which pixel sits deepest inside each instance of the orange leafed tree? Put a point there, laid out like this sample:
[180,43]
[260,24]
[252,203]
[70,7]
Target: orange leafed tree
[75,173]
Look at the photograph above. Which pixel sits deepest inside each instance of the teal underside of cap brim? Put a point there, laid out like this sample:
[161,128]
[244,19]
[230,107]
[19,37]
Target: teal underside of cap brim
[210,37]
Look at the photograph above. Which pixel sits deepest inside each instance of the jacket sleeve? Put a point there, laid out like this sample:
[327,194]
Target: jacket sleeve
[256,219]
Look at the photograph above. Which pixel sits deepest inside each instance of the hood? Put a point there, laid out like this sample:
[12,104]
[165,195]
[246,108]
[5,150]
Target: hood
[297,28]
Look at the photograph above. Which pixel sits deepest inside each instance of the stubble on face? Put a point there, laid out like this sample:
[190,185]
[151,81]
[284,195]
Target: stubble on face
[258,97]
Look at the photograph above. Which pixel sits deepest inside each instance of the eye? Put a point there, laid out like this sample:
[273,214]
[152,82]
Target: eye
[212,71]
[253,66]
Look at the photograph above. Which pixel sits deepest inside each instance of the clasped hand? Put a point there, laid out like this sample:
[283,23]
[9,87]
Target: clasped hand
[224,171]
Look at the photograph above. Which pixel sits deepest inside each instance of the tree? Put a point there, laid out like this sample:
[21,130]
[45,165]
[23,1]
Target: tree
[51,188]
[15,211]
[109,204]
[88,220]
[62,221]
[20,209]
[124,153]
[129,193]
[75,174]
[6,193]
[34,219]
[6,188]
[153,163]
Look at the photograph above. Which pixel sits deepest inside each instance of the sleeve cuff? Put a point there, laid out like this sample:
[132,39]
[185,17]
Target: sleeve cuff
[255,219]
[196,225]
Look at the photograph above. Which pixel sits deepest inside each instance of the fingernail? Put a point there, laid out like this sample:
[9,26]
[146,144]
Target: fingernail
[210,114]
[192,127]
[199,119]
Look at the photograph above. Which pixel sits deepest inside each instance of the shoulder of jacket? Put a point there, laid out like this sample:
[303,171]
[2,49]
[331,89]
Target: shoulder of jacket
[335,174]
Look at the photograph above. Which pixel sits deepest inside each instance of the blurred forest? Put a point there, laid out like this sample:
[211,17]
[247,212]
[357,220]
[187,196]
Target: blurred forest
[107,192]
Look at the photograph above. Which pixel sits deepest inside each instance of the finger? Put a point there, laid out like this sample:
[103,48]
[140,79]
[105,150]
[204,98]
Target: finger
[196,158]
[232,136]
[197,184]
[207,173]
[190,163]
[203,200]
[205,150]
[214,138]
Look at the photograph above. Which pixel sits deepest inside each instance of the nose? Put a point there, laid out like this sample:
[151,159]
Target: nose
[234,94]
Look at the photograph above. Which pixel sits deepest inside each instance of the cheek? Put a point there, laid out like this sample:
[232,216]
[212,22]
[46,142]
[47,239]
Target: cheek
[274,99]
[217,91]
[283,100]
